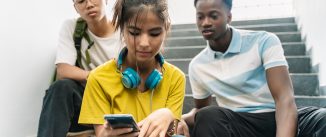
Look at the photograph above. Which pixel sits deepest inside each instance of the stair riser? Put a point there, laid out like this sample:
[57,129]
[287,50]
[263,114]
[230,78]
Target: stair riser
[305,84]
[239,23]
[296,65]
[198,40]
[294,49]
[289,50]
[302,85]
[194,31]
[263,21]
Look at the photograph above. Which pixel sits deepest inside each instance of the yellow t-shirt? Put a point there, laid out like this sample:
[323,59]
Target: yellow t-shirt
[105,94]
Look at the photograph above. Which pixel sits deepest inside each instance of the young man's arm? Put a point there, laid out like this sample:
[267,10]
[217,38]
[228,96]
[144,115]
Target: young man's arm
[199,103]
[65,70]
[281,89]
[188,119]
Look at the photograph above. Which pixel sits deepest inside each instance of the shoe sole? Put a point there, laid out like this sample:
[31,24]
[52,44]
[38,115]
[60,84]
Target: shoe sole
[87,133]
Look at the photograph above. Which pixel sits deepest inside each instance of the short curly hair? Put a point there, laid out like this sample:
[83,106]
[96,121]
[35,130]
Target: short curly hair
[228,3]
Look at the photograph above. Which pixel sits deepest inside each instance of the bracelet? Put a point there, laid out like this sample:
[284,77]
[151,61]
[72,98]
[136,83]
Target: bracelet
[173,129]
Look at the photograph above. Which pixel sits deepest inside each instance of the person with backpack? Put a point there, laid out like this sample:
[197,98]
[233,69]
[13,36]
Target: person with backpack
[84,44]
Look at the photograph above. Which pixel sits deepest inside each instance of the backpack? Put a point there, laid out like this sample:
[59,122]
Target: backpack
[79,34]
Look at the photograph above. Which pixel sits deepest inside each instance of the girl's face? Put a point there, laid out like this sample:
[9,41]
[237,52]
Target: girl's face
[144,36]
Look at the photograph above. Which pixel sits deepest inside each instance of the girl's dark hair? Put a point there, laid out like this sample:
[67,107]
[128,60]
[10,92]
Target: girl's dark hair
[125,10]
[228,3]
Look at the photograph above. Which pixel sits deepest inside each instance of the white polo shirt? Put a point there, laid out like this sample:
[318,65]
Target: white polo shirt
[237,77]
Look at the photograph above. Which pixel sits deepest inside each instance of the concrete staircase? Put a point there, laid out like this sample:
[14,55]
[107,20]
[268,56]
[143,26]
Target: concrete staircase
[185,42]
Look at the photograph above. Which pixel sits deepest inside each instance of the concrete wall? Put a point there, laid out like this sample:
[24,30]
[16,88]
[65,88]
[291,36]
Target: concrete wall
[311,19]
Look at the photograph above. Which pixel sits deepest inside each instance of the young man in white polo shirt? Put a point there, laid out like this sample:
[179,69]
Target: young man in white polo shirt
[248,74]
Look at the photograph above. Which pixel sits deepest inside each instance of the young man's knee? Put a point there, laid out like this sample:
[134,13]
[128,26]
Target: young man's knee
[320,129]
[63,86]
[210,113]
[322,118]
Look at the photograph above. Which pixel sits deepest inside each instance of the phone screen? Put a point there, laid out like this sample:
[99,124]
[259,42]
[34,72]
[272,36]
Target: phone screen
[121,121]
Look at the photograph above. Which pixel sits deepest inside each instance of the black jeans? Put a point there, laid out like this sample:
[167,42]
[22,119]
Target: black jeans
[214,121]
[61,108]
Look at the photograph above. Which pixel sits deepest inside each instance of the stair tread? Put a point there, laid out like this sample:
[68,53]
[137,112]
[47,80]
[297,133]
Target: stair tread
[247,22]
[200,36]
[202,46]
[240,26]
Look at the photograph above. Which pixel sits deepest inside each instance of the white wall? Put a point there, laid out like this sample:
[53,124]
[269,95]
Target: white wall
[28,37]
[311,17]
[182,11]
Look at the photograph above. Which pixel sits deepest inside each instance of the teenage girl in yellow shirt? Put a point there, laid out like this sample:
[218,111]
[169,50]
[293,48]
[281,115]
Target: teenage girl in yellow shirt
[139,81]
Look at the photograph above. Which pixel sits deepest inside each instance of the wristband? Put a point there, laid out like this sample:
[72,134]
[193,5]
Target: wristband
[173,130]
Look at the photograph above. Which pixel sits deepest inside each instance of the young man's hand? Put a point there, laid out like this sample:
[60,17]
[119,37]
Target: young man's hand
[183,128]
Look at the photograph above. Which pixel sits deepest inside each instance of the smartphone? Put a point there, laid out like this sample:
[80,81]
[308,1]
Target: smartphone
[122,121]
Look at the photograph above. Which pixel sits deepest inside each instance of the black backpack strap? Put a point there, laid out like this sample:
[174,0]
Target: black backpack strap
[79,33]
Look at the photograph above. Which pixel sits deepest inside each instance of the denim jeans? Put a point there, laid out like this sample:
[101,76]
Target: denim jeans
[61,108]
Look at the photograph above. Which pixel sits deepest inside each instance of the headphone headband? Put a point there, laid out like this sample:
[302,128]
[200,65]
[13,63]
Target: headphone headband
[159,57]
[130,78]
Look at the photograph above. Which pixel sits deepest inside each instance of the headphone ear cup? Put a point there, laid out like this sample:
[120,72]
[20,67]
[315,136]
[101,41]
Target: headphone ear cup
[130,78]
[153,79]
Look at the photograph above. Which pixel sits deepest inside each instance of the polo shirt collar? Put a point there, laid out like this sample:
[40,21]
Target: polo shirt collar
[235,46]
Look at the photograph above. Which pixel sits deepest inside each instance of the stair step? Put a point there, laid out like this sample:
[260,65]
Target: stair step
[294,48]
[266,27]
[289,36]
[198,40]
[303,84]
[243,22]
[263,21]
[297,64]
[319,101]
[290,49]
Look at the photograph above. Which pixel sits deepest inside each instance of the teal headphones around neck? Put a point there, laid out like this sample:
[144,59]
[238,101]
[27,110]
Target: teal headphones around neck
[131,79]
